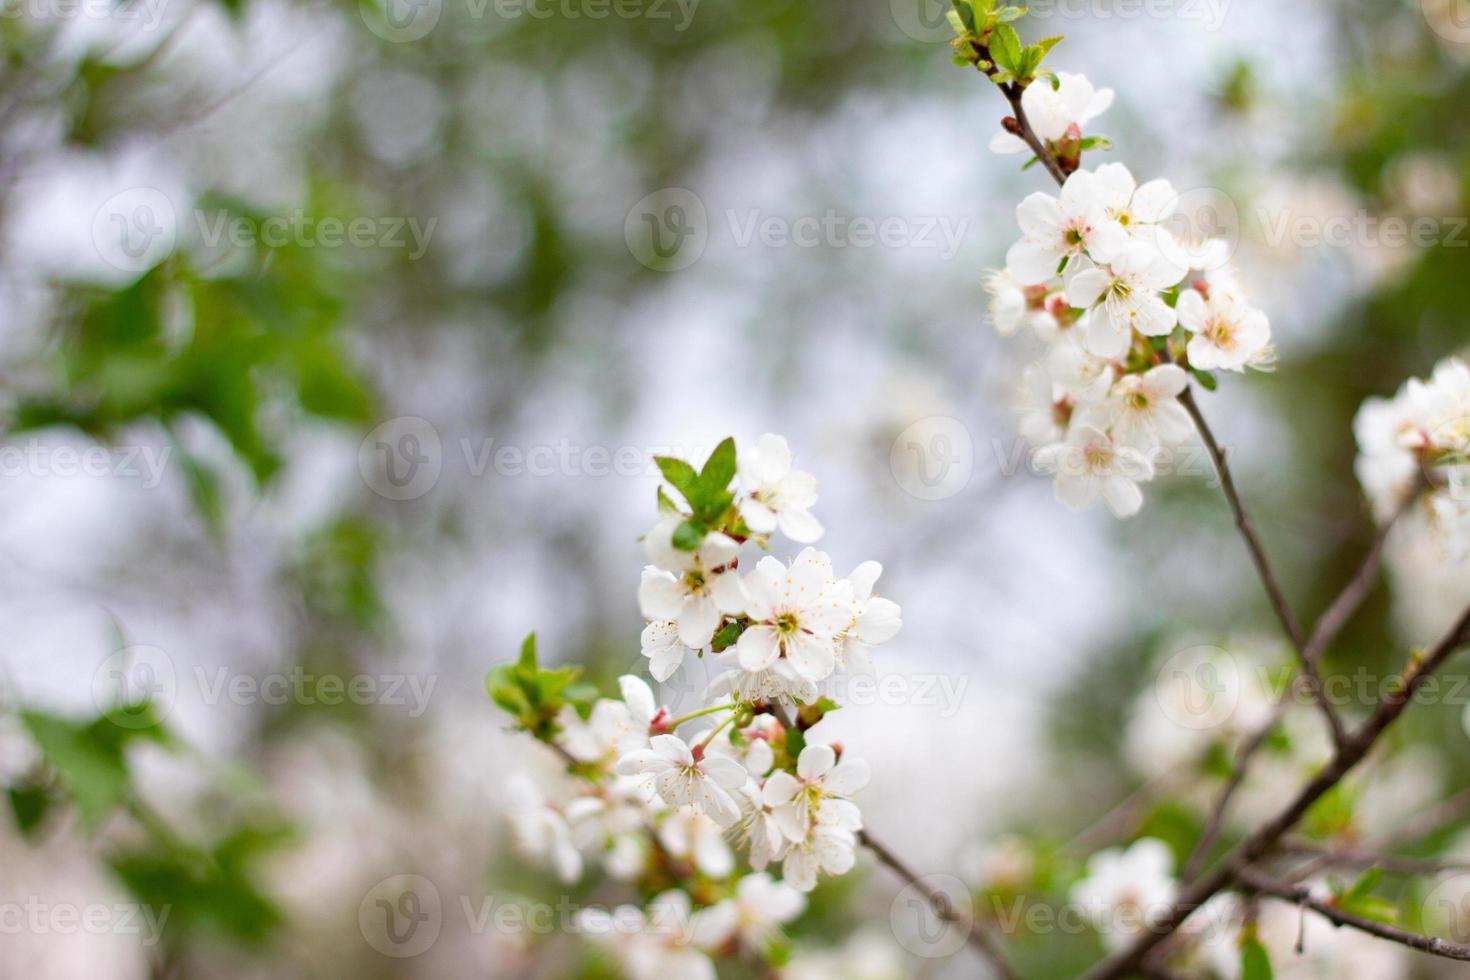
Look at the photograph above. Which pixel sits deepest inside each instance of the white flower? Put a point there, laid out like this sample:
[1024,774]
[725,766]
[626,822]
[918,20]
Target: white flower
[1124,891]
[663,648]
[656,945]
[754,752]
[1090,464]
[1053,111]
[815,796]
[828,848]
[1013,306]
[875,619]
[1228,334]
[755,915]
[1128,293]
[1060,231]
[543,832]
[692,588]
[796,614]
[1044,410]
[1140,210]
[613,726]
[778,683]
[691,835]
[767,842]
[774,494]
[1080,375]
[1145,410]
[681,779]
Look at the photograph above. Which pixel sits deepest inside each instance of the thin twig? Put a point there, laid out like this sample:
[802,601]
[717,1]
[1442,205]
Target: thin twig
[1263,840]
[1430,821]
[1300,895]
[1362,857]
[977,932]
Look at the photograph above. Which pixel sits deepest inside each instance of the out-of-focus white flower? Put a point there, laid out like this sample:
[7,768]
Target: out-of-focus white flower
[1090,464]
[1060,231]
[827,849]
[1054,110]
[543,832]
[691,588]
[682,780]
[691,835]
[754,916]
[775,495]
[613,726]
[1125,890]
[1127,293]
[1078,374]
[1013,306]
[796,615]
[753,750]
[654,945]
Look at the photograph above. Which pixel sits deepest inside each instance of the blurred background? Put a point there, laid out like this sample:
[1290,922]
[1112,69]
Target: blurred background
[337,342]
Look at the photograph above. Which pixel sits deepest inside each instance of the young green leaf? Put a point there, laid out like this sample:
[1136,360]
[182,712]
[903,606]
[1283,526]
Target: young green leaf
[689,535]
[1255,962]
[1005,47]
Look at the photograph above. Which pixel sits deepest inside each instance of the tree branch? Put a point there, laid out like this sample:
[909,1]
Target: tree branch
[1300,895]
[977,933]
[1361,857]
[1258,844]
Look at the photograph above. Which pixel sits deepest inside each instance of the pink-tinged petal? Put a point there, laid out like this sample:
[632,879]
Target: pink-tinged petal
[813,657]
[799,525]
[815,762]
[1122,496]
[849,776]
[780,789]
[1085,288]
[727,773]
[1192,312]
[758,647]
[660,595]
[1031,264]
[698,621]
[672,749]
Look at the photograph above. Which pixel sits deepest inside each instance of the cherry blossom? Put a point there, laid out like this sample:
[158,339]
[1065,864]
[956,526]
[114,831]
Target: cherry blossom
[775,495]
[1127,291]
[691,588]
[683,779]
[796,613]
[1053,110]
[1228,334]
[1090,464]
[1058,231]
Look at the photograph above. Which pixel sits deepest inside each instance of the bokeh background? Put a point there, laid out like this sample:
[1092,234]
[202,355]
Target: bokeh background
[337,340]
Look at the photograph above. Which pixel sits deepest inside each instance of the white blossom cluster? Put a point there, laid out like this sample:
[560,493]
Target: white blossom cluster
[1422,434]
[1100,279]
[651,794]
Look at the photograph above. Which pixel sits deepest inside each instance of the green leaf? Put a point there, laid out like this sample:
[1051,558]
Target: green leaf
[666,506]
[688,536]
[528,653]
[1046,44]
[1008,14]
[1005,47]
[1255,962]
[1206,379]
[90,757]
[719,469]
[680,475]
[795,741]
[1358,899]
[963,17]
[1096,143]
[727,635]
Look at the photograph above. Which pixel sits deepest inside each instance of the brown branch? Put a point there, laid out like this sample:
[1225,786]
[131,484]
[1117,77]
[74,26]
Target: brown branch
[1263,840]
[1328,626]
[976,932]
[1299,895]
[1362,857]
